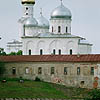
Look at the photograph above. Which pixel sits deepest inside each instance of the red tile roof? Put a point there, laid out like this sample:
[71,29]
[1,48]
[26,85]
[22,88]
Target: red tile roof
[52,58]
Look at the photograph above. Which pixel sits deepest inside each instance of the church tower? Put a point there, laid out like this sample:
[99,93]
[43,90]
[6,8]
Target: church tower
[28,7]
[60,21]
[28,24]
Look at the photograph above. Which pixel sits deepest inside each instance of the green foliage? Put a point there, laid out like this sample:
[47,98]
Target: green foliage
[12,53]
[19,52]
[93,95]
[2,52]
[16,53]
[2,68]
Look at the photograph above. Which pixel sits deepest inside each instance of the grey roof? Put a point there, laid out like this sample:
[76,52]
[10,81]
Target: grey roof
[22,19]
[30,22]
[61,12]
[43,22]
[14,42]
[84,42]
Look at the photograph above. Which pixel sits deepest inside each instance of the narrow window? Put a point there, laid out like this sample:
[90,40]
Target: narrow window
[92,70]
[66,29]
[14,71]
[27,70]
[71,52]
[26,8]
[59,29]
[26,13]
[41,52]
[59,51]
[52,28]
[78,70]
[40,70]
[54,51]
[52,70]
[65,70]
[29,52]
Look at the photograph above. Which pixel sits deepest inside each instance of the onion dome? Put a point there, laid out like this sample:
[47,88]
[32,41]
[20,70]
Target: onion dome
[43,22]
[61,12]
[30,22]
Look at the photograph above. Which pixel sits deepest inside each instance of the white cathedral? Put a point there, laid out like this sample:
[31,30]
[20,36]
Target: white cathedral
[39,37]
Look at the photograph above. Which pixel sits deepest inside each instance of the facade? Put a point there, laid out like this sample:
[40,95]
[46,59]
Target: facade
[39,37]
[70,70]
[14,46]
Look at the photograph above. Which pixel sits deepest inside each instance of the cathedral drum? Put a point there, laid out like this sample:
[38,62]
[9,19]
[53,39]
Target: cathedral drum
[28,1]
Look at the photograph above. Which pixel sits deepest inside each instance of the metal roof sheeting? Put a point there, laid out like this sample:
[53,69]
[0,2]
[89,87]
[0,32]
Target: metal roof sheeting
[52,58]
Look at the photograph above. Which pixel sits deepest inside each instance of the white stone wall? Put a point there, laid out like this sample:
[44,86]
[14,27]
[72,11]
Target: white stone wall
[48,44]
[60,22]
[85,49]
[13,48]
[30,31]
[43,30]
[28,11]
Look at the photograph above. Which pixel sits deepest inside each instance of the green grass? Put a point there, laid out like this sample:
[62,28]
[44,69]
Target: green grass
[32,89]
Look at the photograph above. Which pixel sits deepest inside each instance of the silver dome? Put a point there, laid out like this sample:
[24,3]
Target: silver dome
[30,22]
[61,12]
[43,22]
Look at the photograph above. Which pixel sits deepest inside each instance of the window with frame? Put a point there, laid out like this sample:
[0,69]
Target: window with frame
[92,70]
[59,29]
[54,51]
[29,52]
[14,71]
[40,70]
[52,28]
[78,70]
[41,52]
[52,70]
[59,51]
[27,70]
[66,29]
[65,70]
[71,52]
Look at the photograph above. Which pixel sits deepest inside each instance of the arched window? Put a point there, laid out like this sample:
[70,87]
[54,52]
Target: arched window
[14,71]
[66,29]
[59,51]
[29,52]
[26,13]
[41,52]
[26,8]
[52,28]
[54,51]
[71,52]
[59,29]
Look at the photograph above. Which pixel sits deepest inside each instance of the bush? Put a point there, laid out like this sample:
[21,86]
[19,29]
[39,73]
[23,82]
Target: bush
[94,95]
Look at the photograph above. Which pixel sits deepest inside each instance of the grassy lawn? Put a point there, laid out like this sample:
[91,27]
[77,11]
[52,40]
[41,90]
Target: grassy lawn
[32,89]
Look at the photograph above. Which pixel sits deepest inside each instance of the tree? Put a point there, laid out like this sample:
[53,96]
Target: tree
[16,53]
[19,52]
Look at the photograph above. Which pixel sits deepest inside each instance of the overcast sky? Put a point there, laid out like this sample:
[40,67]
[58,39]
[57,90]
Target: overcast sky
[85,18]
